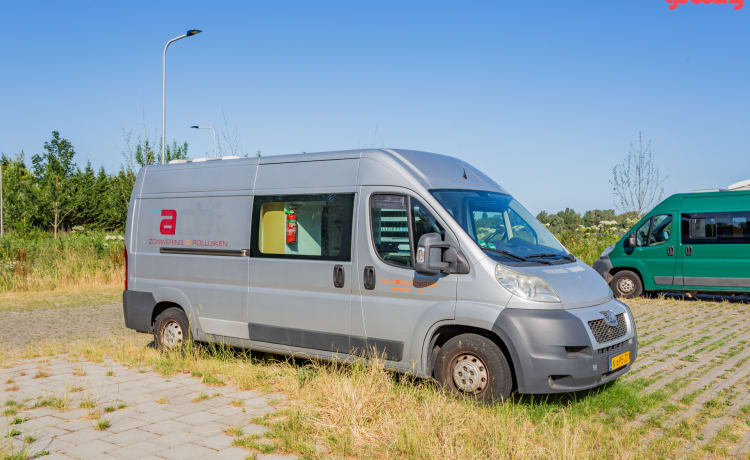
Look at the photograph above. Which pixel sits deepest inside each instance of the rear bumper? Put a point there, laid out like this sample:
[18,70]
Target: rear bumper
[137,308]
[603,266]
[554,351]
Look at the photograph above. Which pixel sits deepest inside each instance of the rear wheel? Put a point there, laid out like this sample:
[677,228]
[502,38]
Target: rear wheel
[626,284]
[473,365]
[171,330]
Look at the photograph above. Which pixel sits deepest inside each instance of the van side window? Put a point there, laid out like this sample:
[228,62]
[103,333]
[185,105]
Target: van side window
[390,229]
[661,229]
[716,228]
[393,234]
[423,221]
[641,235]
[322,230]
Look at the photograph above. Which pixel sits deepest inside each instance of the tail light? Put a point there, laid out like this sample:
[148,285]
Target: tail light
[125,254]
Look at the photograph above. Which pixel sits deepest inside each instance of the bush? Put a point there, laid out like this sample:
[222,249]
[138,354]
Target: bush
[35,261]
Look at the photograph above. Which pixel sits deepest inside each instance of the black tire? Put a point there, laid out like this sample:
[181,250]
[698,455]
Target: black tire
[171,321]
[482,360]
[626,284]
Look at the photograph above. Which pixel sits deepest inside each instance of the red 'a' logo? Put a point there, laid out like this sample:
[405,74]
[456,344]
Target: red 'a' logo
[168,225]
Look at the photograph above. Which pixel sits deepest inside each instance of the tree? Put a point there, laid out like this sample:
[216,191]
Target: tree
[144,153]
[636,182]
[54,171]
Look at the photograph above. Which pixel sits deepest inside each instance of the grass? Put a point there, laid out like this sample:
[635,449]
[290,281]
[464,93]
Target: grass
[102,424]
[664,409]
[76,269]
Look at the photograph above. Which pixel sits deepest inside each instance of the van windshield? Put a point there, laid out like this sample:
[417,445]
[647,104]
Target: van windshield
[501,226]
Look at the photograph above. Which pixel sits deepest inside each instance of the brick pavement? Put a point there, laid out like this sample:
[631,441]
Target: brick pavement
[149,416]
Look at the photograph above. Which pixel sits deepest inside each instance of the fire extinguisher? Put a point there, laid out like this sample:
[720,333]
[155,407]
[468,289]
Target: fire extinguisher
[291,227]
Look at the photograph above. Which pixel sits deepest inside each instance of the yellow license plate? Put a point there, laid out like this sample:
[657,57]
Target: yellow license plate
[617,361]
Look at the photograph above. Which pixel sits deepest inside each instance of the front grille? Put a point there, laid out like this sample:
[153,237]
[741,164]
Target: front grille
[604,332]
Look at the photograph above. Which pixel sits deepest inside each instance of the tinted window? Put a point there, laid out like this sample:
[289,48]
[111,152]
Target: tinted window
[390,229]
[716,228]
[324,226]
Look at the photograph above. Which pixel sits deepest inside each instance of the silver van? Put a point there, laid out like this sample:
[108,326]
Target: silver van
[414,257]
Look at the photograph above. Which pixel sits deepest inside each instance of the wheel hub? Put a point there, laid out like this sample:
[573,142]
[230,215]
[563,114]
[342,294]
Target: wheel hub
[626,285]
[172,334]
[469,373]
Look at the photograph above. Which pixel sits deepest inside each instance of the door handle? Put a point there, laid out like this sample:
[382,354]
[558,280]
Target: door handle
[670,250]
[338,276]
[369,278]
[688,250]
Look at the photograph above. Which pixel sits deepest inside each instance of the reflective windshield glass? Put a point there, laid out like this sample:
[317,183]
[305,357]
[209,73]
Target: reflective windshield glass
[500,224]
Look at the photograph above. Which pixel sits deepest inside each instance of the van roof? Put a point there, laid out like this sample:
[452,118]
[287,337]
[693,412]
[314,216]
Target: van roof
[705,200]
[376,167]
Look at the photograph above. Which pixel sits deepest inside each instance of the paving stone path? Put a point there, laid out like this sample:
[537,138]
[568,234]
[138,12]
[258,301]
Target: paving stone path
[62,407]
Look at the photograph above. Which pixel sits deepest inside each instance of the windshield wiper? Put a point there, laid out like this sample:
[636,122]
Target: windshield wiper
[506,253]
[543,255]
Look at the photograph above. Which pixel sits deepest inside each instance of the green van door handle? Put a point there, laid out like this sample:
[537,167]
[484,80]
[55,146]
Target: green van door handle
[688,250]
[670,250]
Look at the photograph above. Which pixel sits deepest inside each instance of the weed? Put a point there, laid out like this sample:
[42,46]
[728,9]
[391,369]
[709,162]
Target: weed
[235,431]
[8,412]
[29,439]
[163,400]
[18,420]
[87,403]
[110,373]
[102,424]
[109,409]
[237,403]
[201,397]
[12,433]
[41,374]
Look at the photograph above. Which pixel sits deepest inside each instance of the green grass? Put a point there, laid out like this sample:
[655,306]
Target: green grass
[38,271]
[102,424]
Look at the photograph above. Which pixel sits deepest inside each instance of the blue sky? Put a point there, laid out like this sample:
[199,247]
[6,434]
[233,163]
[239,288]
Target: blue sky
[544,96]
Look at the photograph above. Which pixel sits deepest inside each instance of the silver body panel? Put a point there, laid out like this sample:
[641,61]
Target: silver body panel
[277,304]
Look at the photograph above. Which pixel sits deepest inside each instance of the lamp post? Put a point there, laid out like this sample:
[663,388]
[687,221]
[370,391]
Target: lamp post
[212,130]
[189,33]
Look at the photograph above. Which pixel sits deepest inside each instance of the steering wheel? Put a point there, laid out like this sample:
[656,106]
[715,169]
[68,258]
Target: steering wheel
[497,232]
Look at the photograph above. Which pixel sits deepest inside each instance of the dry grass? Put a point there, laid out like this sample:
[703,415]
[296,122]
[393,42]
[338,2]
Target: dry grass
[78,294]
[666,407]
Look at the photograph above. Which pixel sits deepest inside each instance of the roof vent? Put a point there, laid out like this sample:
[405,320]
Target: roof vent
[180,161]
[230,157]
[198,160]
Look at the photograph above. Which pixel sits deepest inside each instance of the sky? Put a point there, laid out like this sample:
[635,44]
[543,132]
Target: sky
[543,96]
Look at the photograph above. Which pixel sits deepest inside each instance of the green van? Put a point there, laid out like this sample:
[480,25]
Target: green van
[709,251]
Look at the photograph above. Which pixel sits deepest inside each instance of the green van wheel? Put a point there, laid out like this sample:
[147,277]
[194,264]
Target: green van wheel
[626,284]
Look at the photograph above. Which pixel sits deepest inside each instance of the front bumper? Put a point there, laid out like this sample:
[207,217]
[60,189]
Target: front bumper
[555,351]
[603,266]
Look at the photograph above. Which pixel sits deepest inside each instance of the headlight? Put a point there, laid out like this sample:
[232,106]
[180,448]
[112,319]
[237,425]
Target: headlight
[525,286]
[606,252]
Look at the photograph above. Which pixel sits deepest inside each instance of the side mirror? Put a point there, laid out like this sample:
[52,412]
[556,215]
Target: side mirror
[629,242]
[435,256]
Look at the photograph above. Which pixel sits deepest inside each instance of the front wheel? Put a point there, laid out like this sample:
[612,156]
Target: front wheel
[626,284]
[474,365]
[171,330]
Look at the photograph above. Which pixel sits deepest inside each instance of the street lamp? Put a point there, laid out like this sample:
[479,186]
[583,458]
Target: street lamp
[212,130]
[164,83]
